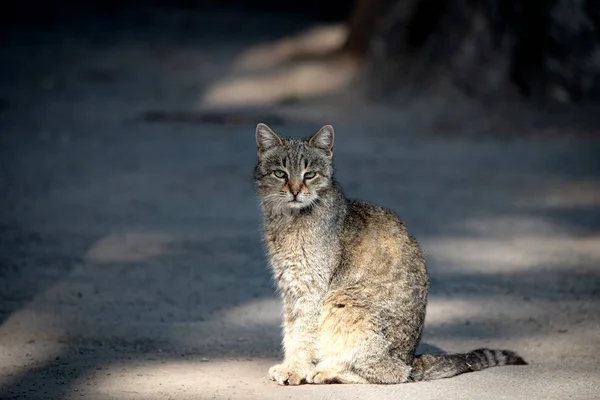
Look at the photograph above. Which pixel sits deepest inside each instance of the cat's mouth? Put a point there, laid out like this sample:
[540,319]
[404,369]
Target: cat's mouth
[296,203]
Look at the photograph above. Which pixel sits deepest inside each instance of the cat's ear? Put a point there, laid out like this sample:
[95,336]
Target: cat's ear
[323,139]
[266,138]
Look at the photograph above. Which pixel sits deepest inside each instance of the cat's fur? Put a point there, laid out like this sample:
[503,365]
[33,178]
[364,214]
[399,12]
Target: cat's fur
[352,278]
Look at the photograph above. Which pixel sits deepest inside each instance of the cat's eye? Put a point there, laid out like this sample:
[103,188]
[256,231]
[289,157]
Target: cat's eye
[310,175]
[280,174]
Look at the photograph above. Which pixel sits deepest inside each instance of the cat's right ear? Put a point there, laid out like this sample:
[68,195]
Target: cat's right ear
[266,139]
[323,139]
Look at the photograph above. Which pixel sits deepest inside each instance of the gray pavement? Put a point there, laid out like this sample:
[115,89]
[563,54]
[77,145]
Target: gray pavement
[131,263]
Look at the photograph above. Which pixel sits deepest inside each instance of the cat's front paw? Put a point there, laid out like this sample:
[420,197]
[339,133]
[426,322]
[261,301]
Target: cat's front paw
[284,375]
[320,377]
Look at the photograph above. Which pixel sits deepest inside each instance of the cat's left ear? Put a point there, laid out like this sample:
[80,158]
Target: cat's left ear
[266,138]
[323,139]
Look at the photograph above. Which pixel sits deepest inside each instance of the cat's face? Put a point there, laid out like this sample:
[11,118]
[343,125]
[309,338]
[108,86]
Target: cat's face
[291,173]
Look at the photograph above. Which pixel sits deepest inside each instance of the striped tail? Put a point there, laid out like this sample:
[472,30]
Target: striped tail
[427,367]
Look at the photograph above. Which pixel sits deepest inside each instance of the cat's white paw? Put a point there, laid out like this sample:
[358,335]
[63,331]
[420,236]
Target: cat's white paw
[319,376]
[284,375]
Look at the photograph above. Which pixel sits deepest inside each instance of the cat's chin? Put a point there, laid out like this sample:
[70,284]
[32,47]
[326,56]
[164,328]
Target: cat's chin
[297,205]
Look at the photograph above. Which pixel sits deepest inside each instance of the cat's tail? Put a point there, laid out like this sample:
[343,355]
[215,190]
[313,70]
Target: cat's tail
[427,367]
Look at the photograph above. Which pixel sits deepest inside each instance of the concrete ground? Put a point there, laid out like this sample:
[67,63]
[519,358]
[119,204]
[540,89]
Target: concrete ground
[131,263]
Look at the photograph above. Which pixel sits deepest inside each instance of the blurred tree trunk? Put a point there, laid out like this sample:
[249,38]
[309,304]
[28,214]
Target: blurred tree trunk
[546,49]
[361,25]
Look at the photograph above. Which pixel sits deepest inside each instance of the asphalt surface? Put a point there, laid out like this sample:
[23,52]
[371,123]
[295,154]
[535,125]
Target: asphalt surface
[131,263]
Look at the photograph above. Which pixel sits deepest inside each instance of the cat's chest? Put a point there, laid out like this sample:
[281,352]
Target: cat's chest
[300,262]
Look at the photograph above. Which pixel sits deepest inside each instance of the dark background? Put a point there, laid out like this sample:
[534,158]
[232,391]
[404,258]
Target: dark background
[54,11]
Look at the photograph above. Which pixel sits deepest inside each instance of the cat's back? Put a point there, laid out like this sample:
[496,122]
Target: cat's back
[376,226]
[376,246]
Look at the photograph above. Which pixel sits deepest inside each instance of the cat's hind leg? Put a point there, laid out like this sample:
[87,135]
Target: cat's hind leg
[351,348]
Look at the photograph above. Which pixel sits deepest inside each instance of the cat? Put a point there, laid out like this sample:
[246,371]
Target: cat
[352,279]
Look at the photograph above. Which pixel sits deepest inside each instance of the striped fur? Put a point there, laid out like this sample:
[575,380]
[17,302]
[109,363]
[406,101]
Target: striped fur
[428,367]
[352,279]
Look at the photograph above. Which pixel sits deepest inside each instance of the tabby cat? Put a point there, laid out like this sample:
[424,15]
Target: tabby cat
[352,279]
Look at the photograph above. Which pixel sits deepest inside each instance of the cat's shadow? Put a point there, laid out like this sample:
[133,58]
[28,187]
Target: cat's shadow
[426,348]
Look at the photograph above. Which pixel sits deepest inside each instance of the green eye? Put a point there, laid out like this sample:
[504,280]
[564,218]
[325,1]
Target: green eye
[310,175]
[280,174]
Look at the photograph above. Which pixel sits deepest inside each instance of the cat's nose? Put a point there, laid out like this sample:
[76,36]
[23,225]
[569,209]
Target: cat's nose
[295,191]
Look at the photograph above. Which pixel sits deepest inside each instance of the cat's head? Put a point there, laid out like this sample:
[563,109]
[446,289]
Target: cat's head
[292,174]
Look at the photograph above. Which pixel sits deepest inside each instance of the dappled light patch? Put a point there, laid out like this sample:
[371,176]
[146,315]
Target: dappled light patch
[253,312]
[286,71]
[36,328]
[128,246]
[287,84]
[315,42]
[200,377]
[564,195]
[512,253]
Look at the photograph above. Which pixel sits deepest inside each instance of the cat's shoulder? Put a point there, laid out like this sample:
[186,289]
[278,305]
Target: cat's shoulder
[364,213]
